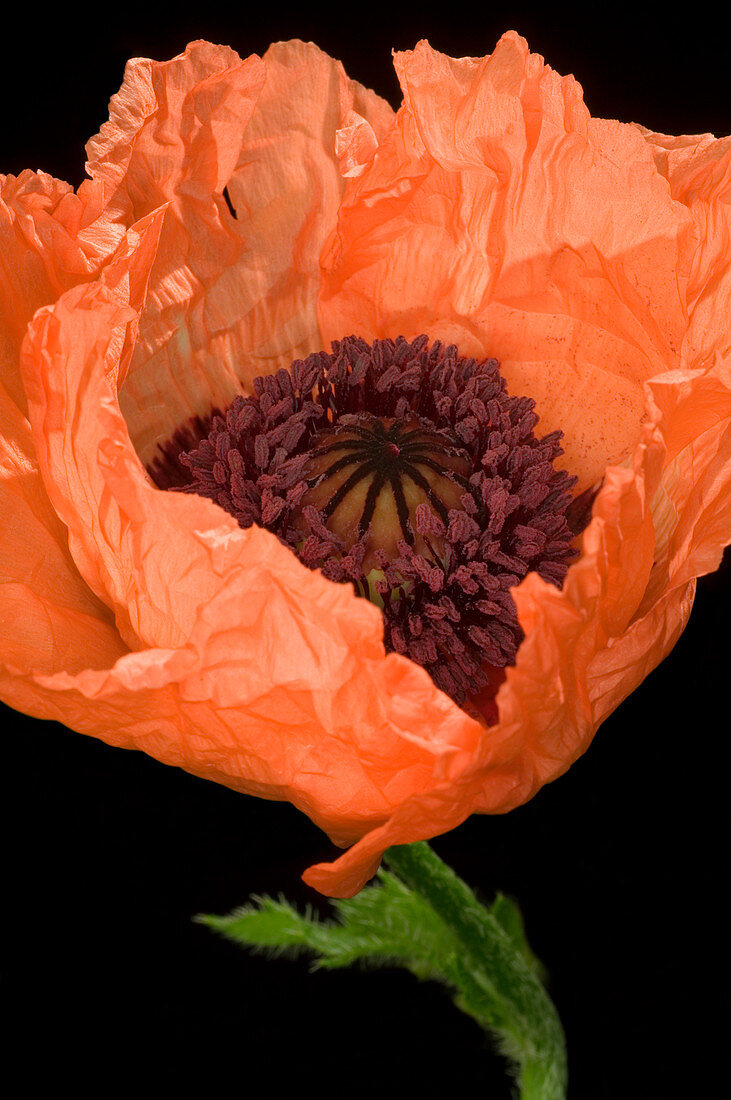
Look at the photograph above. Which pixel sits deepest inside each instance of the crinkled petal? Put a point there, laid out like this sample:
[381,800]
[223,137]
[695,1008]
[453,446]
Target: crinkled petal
[50,240]
[244,154]
[587,647]
[49,619]
[355,144]
[693,505]
[498,214]
[278,677]
[546,718]
[661,519]
[698,171]
[629,659]
[693,403]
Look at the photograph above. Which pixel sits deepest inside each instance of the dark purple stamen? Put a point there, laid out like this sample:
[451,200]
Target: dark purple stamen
[409,472]
[166,469]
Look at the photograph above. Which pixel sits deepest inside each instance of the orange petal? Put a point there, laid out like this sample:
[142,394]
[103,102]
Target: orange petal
[657,524]
[49,620]
[50,240]
[244,153]
[499,215]
[698,171]
[546,716]
[655,527]
[355,144]
[692,405]
[627,660]
[693,505]
[274,678]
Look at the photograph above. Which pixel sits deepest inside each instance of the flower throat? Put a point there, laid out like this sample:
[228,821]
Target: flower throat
[407,471]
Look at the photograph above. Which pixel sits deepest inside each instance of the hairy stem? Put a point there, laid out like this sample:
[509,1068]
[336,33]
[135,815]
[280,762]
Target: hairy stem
[498,985]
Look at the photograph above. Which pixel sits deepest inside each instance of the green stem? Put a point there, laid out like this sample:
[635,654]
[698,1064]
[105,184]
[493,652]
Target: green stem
[500,988]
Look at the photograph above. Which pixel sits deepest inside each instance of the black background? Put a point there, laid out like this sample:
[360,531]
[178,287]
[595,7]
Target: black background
[618,865]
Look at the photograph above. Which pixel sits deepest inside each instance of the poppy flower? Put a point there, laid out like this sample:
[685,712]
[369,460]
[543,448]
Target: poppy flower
[505,320]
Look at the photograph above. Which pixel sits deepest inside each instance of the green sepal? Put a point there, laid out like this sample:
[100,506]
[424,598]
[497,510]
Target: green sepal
[385,924]
[508,915]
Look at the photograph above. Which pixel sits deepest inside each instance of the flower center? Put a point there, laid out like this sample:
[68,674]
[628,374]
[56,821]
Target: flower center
[367,480]
[407,471]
